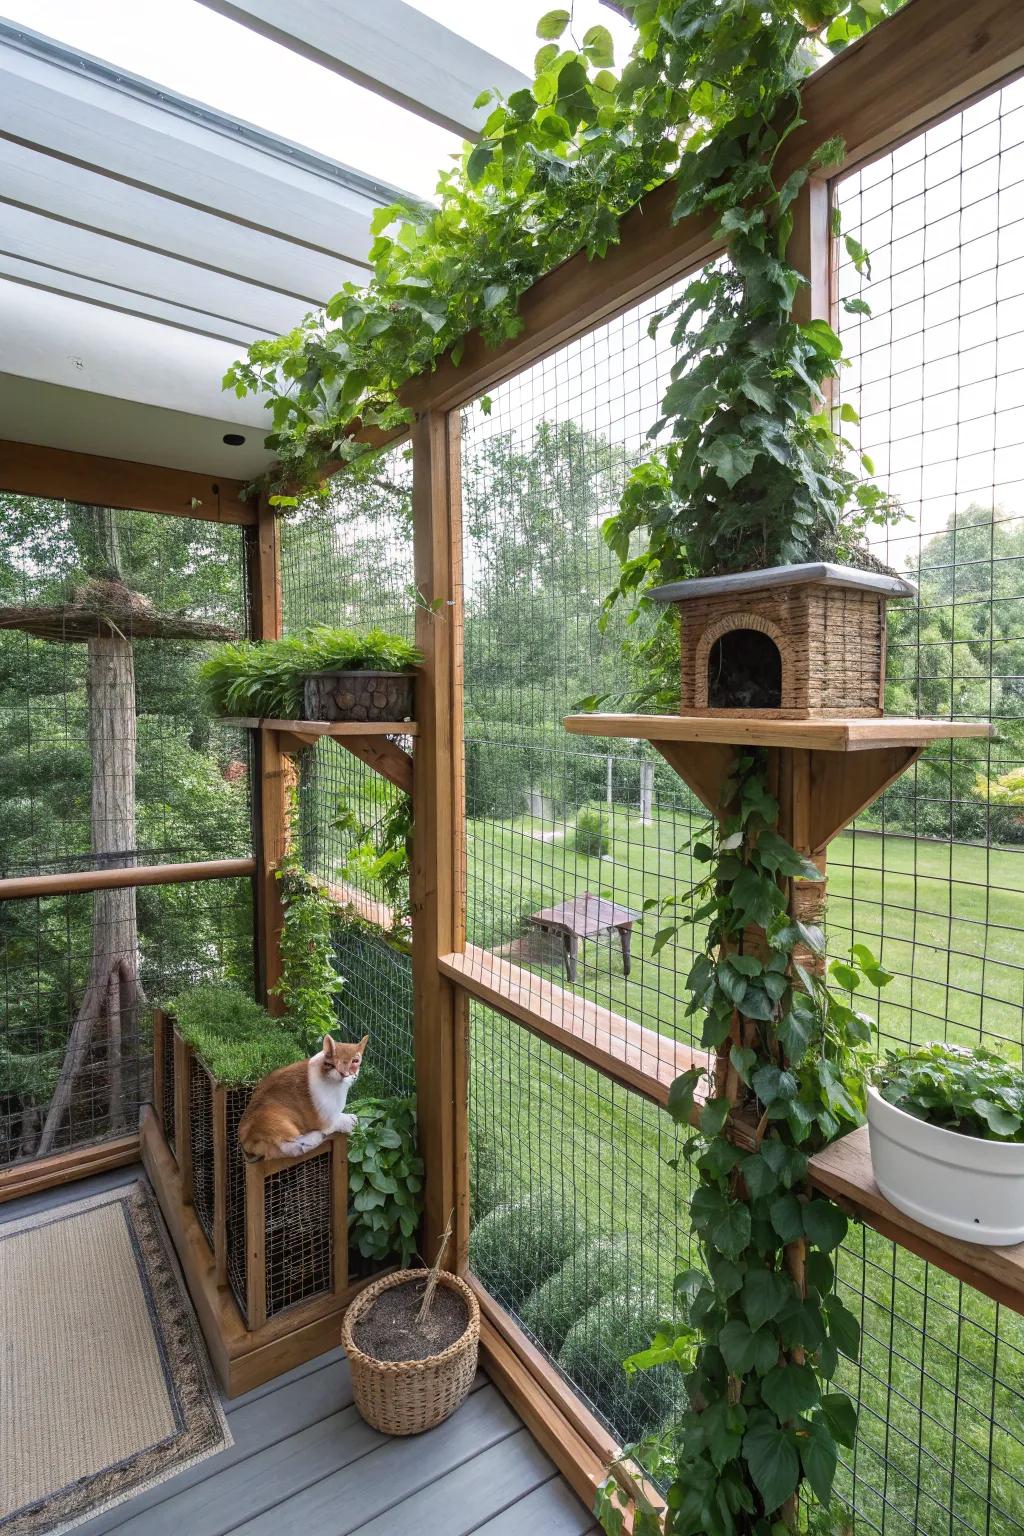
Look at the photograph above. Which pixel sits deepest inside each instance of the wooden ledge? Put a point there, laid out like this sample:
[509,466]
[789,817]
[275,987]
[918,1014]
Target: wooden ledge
[846,735]
[34,1175]
[620,1049]
[844,1173]
[335,728]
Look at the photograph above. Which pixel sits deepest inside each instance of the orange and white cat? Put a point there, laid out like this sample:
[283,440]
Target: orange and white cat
[294,1108]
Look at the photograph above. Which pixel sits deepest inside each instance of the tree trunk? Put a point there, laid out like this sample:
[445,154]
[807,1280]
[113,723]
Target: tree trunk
[113,994]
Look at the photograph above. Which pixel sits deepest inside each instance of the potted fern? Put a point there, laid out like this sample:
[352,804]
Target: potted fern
[320,674]
[947,1141]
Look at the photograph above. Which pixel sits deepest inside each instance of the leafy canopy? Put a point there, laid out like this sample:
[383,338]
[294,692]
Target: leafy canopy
[265,678]
[974,1092]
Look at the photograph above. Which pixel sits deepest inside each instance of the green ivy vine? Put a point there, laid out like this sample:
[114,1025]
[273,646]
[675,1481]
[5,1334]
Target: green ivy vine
[760,1326]
[708,95]
[309,978]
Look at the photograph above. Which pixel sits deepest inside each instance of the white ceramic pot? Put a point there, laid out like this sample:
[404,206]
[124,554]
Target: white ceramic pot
[959,1185]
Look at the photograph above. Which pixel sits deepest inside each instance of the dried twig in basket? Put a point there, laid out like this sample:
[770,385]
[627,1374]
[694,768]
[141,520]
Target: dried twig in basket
[432,1278]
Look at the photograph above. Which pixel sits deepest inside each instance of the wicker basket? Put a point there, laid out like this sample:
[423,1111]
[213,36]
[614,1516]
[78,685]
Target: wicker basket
[405,1397]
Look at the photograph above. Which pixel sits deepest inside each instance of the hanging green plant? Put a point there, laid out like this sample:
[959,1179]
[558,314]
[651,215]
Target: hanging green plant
[761,1326]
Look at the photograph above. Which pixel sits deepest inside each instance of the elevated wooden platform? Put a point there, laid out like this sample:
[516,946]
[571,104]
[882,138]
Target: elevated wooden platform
[844,1172]
[369,740]
[847,735]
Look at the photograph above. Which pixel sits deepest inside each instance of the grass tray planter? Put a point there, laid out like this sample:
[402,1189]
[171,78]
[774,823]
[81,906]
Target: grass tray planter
[350,695]
[277,1229]
[959,1185]
[406,1397]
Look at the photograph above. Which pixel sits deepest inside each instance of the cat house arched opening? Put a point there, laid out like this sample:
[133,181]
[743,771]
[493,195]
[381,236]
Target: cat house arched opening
[790,642]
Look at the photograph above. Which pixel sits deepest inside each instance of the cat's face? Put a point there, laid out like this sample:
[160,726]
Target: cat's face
[341,1061]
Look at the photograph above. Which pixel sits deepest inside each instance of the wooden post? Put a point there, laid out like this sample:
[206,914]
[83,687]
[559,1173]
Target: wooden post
[271,786]
[437,876]
[159,1026]
[255,1246]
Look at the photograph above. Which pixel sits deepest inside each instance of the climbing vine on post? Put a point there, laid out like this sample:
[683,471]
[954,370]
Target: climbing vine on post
[761,1327]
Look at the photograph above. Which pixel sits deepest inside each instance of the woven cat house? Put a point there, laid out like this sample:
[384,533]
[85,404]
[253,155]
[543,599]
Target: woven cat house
[793,642]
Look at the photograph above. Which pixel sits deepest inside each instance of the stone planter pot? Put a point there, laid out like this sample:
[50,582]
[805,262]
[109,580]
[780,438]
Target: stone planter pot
[342,695]
[959,1185]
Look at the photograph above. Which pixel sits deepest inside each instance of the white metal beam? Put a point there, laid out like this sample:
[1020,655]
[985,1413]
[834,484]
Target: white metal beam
[390,48]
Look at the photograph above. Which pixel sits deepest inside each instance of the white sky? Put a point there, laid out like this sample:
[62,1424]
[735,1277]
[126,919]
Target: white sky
[189,49]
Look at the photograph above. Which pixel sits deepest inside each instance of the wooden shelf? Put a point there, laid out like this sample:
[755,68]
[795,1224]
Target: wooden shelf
[844,1172]
[847,735]
[620,1049]
[369,740]
[336,728]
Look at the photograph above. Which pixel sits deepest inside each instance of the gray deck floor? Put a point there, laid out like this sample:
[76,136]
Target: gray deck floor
[305,1464]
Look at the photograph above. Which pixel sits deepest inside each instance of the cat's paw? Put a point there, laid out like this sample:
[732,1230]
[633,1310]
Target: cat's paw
[302,1144]
[346,1124]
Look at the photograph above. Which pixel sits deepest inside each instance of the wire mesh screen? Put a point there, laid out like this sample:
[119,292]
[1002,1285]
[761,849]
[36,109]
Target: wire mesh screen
[566,836]
[299,1245]
[110,756]
[236,1102]
[166,1105]
[78,974]
[931,877]
[376,1000]
[200,1129]
[578,1222]
[348,561]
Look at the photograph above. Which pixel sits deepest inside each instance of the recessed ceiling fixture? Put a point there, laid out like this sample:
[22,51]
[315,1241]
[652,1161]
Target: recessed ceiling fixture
[234,439]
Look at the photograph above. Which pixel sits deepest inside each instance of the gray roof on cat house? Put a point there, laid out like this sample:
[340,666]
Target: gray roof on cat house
[819,573]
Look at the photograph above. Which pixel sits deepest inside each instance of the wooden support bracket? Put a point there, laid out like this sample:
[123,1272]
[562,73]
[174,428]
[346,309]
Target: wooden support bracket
[383,755]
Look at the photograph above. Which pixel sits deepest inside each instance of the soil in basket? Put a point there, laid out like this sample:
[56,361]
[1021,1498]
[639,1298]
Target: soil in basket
[389,1330]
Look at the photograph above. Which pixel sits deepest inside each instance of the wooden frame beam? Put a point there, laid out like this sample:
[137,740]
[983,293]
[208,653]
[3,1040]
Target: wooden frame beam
[37,1174]
[274,773]
[41,886]
[26,469]
[437,874]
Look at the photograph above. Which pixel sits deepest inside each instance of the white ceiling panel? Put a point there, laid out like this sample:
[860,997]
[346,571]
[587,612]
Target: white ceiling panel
[91,124]
[74,419]
[138,273]
[58,340]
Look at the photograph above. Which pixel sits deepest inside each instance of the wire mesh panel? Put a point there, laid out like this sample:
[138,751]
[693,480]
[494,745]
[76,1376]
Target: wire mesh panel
[578,1222]
[110,756]
[200,1130]
[376,1000]
[567,838]
[166,1105]
[933,876]
[75,1050]
[298,1233]
[236,1102]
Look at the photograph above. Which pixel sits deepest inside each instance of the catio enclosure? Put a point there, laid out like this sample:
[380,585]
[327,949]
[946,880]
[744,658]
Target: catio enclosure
[142,860]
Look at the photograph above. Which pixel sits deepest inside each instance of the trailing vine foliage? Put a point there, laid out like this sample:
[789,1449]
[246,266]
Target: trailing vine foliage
[380,853]
[707,95]
[760,1326]
[309,978]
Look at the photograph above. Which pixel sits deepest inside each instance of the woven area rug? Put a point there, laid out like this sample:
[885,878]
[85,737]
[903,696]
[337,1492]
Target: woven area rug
[105,1387]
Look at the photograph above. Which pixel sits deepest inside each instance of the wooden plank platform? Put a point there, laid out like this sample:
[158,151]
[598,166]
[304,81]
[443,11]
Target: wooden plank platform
[338,728]
[303,1461]
[844,1172]
[618,1047]
[847,735]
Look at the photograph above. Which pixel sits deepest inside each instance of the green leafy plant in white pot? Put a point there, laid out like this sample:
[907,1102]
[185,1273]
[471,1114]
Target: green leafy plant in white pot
[947,1141]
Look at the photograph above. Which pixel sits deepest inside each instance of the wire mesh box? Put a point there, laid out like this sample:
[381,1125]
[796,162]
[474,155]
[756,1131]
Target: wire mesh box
[277,1229]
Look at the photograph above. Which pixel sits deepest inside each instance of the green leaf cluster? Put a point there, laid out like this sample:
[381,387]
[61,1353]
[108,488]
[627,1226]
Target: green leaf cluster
[309,978]
[378,853]
[236,1040]
[385,1180]
[265,677]
[974,1092]
[765,1325]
